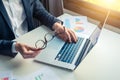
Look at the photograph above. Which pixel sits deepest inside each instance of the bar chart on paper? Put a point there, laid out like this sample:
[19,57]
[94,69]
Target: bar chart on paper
[39,77]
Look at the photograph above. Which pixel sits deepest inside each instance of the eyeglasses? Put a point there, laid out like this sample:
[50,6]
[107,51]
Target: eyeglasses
[47,38]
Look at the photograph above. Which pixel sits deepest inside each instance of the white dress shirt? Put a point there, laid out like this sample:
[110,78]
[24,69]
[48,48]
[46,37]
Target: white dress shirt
[17,18]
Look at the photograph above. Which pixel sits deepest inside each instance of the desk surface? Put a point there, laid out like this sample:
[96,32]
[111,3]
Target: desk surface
[102,62]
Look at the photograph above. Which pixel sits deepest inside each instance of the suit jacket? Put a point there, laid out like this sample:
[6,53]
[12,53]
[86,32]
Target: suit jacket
[33,8]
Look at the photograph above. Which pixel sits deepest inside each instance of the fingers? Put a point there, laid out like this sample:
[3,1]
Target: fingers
[68,36]
[27,51]
[30,54]
[33,49]
[73,36]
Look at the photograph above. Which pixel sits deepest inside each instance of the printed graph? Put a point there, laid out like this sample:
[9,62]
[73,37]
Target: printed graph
[67,23]
[42,74]
[39,77]
[78,29]
[78,21]
[75,24]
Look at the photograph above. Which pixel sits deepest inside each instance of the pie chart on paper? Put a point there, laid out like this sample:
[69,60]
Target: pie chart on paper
[78,29]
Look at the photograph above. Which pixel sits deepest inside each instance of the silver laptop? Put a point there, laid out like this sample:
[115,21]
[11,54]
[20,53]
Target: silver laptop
[63,54]
[66,55]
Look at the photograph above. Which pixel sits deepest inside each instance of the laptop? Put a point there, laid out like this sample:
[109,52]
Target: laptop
[63,54]
[67,55]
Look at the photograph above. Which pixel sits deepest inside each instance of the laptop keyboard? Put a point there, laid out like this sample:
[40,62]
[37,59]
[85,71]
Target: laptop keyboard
[68,51]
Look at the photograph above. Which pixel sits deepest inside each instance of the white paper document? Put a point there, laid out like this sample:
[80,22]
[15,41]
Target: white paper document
[42,74]
[6,76]
[80,25]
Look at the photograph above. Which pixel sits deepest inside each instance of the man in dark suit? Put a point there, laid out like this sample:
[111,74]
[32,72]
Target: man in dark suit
[16,18]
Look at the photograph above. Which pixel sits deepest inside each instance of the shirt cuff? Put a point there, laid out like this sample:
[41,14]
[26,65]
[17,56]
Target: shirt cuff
[13,47]
[61,22]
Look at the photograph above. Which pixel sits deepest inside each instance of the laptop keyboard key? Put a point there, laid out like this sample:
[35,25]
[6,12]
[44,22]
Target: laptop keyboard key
[68,51]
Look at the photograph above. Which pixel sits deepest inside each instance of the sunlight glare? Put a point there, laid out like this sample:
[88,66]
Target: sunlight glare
[110,4]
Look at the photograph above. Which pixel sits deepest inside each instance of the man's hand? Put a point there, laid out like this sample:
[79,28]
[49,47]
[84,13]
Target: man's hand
[68,35]
[26,51]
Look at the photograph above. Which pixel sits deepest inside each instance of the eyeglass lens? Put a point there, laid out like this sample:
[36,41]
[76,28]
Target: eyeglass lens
[48,37]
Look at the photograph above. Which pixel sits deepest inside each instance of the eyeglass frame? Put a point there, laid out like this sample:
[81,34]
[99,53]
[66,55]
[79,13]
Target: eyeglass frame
[45,39]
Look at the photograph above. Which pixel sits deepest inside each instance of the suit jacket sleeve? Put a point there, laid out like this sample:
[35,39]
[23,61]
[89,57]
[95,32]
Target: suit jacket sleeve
[41,14]
[5,48]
